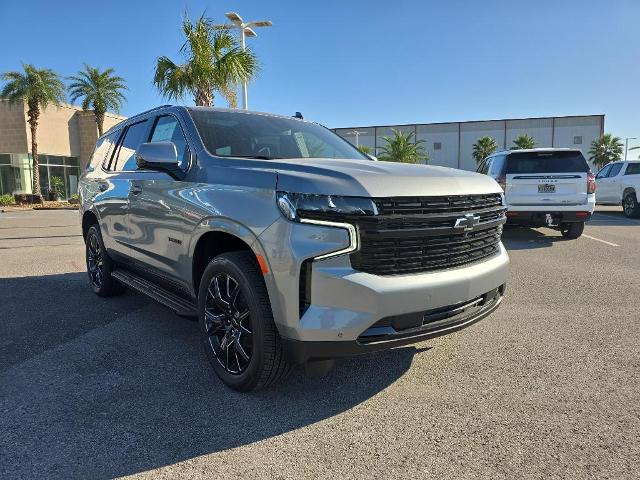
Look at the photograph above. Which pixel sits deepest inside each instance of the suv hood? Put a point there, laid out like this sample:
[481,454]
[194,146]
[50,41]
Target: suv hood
[361,178]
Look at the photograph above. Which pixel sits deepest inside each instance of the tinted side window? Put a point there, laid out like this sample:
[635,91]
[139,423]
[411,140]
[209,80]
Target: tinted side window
[103,149]
[603,172]
[133,137]
[497,166]
[167,129]
[615,169]
[486,165]
[633,169]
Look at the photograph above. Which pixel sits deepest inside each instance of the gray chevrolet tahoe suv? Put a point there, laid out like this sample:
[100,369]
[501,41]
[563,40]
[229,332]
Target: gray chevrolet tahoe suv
[287,243]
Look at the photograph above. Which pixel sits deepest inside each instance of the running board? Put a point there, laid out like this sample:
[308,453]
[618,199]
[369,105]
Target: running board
[178,304]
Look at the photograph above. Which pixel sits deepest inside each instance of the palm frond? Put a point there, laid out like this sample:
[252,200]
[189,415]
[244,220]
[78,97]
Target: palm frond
[401,147]
[213,61]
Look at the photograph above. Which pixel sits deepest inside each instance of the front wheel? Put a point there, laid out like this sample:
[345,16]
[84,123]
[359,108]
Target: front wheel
[630,205]
[236,324]
[100,265]
[572,230]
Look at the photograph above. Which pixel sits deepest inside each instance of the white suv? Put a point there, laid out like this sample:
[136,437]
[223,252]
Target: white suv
[551,187]
[619,184]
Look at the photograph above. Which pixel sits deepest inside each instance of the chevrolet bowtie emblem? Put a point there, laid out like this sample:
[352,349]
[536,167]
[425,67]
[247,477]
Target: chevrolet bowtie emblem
[468,222]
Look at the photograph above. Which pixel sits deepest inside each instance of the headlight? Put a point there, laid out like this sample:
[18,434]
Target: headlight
[295,206]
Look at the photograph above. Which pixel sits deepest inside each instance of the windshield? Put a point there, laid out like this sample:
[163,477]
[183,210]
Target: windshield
[547,162]
[238,134]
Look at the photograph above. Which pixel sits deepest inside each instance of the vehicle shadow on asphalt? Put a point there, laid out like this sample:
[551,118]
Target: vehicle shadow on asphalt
[612,218]
[520,238]
[99,388]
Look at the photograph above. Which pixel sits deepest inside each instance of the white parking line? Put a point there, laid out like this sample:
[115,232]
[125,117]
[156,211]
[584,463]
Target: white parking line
[600,240]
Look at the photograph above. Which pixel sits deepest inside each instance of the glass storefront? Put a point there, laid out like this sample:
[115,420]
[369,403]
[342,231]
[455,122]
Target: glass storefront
[16,173]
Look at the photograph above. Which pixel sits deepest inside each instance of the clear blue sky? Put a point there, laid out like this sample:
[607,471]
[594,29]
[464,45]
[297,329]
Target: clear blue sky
[347,63]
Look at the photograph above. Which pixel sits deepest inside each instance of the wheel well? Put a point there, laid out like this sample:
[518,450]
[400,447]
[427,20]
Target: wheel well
[211,245]
[88,219]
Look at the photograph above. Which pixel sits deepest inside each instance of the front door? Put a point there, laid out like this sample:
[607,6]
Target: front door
[609,185]
[159,219]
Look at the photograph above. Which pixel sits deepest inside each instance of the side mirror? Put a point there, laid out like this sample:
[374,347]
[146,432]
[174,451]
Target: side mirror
[159,156]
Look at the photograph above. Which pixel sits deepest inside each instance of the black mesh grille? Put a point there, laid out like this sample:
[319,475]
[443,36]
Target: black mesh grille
[434,205]
[412,235]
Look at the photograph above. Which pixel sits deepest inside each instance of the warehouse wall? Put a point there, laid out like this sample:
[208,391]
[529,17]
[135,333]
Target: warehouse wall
[451,144]
[444,134]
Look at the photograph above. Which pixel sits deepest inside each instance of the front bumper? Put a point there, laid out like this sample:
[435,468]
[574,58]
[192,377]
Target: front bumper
[376,339]
[345,303]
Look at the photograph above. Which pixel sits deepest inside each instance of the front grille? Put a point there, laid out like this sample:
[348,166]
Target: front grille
[433,205]
[418,234]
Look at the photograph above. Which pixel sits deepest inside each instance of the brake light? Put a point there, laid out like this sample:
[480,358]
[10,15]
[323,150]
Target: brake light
[591,183]
[502,181]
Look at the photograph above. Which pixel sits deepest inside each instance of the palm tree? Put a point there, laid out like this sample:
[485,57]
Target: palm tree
[402,148]
[523,142]
[364,149]
[214,62]
[606,149]
[100,91]
[484,147]
[38,88]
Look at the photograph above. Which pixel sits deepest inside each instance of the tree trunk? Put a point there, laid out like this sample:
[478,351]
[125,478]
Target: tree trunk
[99,121]
[204,97]
[34,115]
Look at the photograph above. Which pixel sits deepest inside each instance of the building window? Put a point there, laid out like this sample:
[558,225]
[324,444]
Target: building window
[437,145]
[577,140]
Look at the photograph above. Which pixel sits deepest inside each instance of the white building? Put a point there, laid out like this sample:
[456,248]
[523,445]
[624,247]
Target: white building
[451,144]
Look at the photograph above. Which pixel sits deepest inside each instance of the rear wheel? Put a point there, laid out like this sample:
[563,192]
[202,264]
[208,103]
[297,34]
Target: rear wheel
[100,265]
[630,205]
[572,230]
[236,324]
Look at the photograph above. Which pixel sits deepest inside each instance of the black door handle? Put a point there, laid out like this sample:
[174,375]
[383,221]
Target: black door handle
[136,189]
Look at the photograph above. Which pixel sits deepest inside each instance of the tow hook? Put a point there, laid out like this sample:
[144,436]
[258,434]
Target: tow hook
[550,220]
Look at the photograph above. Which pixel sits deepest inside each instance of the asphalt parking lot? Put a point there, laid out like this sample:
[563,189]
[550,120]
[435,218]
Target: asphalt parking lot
[547,387]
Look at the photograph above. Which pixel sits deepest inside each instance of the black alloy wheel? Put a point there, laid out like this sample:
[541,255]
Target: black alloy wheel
[228,323]
[630,205]
[95,261]
[100,265]
[237,327]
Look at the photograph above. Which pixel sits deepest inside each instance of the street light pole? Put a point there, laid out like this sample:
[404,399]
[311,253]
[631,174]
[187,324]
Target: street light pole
[246,30]
[626,146]
[357,134]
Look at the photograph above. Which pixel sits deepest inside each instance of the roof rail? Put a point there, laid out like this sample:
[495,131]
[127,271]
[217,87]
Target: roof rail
[151,110]
[134,116]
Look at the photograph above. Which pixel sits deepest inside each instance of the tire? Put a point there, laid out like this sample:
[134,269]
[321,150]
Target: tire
[236,324]
[100,265]
[630,205]
[572,230]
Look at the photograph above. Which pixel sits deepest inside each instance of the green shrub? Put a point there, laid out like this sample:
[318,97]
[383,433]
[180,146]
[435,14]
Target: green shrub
[57,185]
[6,200]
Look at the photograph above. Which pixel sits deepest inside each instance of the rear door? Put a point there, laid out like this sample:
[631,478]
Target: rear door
[541,178]
[114,207]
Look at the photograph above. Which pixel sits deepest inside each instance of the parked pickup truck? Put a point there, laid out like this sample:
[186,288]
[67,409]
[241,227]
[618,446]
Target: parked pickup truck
[287,243]
[619,184]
